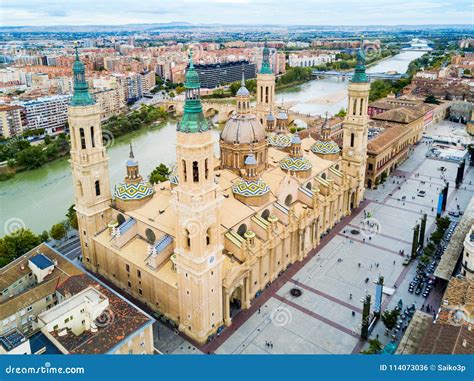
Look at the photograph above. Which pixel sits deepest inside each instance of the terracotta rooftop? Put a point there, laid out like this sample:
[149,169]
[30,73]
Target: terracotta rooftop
[391,133]
[447,339]
[404,115]
[123,320]
[460,293]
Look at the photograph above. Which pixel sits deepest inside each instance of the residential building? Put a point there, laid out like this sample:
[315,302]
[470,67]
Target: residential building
[11,122]
[215,75]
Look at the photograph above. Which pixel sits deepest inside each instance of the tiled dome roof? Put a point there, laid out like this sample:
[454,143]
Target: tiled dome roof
[138,191]
[295,164]
[325,147]
[249,188]
[279,140]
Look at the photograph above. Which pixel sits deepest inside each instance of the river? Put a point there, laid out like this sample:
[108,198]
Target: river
[40,198]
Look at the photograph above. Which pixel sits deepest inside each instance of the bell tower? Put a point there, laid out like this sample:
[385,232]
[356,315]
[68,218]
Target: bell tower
[354,151]
[265,87]
[198,239]
[89,164]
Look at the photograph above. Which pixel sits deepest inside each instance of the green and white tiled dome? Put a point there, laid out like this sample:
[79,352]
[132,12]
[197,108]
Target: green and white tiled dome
[295,164]
[137,191]
[279,140]
[249,188]
[325,147]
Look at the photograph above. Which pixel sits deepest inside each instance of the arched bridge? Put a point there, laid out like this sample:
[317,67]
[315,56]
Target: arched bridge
[348,75]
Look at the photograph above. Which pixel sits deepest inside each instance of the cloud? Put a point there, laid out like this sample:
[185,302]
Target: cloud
[284,12]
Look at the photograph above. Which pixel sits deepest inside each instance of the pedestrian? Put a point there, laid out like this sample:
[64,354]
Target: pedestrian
[359,264]
[259,310]
[394,262]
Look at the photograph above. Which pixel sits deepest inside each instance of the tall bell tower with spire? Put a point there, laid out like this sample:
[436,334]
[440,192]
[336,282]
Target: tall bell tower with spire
[354,151]
[89,164]
[265,87]
[198,239]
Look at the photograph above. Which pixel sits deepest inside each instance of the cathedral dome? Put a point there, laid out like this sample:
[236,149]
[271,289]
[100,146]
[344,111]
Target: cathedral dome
[324,147]
[133,191]
[243,92]
[270,117]
[295,164]
[279,140]
[282,115]
[243,129]
[250,188]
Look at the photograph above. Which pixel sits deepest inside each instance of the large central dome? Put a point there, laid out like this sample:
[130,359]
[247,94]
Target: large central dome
[243,129]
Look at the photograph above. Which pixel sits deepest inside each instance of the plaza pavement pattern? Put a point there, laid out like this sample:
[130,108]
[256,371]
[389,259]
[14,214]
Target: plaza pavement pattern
[321,320]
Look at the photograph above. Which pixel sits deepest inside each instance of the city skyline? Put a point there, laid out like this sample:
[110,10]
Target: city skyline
[239,12]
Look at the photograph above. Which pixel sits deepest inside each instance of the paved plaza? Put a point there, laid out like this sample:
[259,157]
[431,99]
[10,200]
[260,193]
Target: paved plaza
[321,319]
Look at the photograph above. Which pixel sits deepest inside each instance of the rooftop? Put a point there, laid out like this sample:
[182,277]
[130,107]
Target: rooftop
[456,244]
[11,340]
[447,339]
[41,261]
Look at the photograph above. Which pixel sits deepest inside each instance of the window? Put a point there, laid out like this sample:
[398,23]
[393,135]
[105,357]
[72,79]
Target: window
[206,169]
[120,219]
[127,268]
[129,284]
[241,230]
[97,188]
[208,236]
[265,214]
[83,138]
[354,109]
[361,106]
[309,186]
[195,172]
[188,239]
[92,136]
[185,175]
[288,200]
[352,139]
[140,291]
[371,166]
[150,236]
[139,273]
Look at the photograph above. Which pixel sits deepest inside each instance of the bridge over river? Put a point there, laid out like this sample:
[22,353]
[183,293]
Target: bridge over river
[348,74]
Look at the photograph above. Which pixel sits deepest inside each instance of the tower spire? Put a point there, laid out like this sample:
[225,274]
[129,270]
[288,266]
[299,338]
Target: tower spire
[81,95]
[359,73]
[193,119]
[266,69]
[131,151]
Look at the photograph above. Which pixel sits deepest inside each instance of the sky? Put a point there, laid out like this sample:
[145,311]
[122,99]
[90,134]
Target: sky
[255,12]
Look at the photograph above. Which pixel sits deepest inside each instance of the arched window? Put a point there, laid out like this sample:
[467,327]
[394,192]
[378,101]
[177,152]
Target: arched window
[185,174]
[188,239]
[309,186]
[337,166]
[97,188]
[265,214]
[83,138]
[354,109]
[288,200]
[323,176]
[92,136]
[352,139]
[208,236]
[206,169]
[150,236]
[361,106]
[195,172]
[120,219]
[241,230]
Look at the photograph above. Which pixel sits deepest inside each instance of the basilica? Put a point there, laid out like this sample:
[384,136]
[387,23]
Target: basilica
[200,247]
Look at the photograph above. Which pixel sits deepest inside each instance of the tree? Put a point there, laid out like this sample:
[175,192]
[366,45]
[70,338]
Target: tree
[31,157]
[179,89]
[375,346]
[17,243]
[431,99]
[172,94]
[342,113]
[58,231]
[72,217]
[389,318]
[44,236]
[160,174]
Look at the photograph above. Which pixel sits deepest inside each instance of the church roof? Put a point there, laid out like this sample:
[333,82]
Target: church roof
[325,147]
[279,140]
[295,164]
[249,188]
[243,129]
[132,191]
